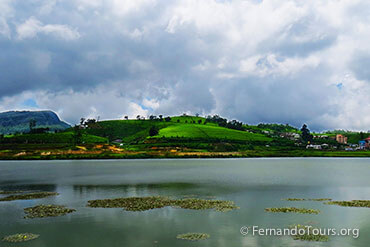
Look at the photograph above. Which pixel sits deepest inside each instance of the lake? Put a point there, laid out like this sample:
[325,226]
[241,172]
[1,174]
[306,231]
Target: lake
[253,184]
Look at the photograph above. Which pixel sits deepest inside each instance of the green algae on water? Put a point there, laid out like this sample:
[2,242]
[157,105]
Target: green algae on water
[201,204]
[29,196]
[153,202]
[132,203]
[42,211]
[353,203]
[309,234]
[320,199]
[20,237]
[193,236]
[292,210]
[313,199]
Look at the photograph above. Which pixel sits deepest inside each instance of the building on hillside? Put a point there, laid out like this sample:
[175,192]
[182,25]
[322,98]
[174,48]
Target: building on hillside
[290,136]
[325,146]
[321,136]
[367,143]
[341,139]
[362,144]
[311,146]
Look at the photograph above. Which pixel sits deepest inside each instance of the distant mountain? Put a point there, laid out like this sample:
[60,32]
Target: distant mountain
[18,121]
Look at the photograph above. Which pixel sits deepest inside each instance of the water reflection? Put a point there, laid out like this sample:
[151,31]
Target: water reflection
[15,186]
[251,184]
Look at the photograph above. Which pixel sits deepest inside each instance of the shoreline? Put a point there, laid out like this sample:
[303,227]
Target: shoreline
[146,156]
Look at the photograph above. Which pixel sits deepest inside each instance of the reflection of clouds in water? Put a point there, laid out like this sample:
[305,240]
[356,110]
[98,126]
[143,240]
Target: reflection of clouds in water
[253,184]
[353,193]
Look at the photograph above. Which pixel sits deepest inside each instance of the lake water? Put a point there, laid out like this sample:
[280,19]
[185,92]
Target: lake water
[253,184]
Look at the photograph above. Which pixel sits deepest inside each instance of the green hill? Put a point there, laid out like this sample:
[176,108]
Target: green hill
[178,127]
[127,130]
[18,121]
[199,131]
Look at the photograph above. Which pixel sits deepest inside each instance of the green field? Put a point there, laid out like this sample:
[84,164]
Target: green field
[200,131]
[182,127]
[51,138]
[180,136]
[127,130]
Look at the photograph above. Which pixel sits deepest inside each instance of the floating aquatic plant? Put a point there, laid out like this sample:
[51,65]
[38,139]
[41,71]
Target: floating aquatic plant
[29,196]
[309,234]
[292,210]
[353,203]
[152,202]
[193,236]
[294,199]
[132,203]
[314,199]
[201,204]
[320,199]
[42,211]
[20,237]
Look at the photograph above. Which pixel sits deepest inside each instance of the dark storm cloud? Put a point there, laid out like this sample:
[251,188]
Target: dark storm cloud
[256,61]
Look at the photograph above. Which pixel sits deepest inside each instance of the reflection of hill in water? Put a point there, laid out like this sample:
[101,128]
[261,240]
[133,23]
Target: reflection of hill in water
[158,188]
[27,187]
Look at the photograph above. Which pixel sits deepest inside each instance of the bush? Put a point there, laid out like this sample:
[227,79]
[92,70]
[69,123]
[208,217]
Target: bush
[153,131]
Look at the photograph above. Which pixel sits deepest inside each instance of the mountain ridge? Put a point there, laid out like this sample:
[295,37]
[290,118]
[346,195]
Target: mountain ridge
[18,121]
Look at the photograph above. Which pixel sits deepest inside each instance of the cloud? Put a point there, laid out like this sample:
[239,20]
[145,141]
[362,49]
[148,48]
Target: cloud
[4,28]
[31,27]
[255,61]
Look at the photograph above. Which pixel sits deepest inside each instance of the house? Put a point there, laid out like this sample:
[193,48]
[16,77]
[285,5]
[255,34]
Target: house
[290,136]
[311,146]
[325,145]
[341,139]
[367,143]
[362,144]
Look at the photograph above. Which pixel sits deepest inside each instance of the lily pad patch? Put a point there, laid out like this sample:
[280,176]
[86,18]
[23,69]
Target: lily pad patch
[353,203]
[292,210]
[313,199]
[153,202]
[42,211]
[193,236]
[309,234]
[20,237]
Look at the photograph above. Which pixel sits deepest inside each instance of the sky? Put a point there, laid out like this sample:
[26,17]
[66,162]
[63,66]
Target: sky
[290,61]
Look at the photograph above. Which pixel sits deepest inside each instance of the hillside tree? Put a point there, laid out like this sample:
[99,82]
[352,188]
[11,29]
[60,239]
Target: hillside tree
[77,135]
[306,136]
[153,131]
[32,124]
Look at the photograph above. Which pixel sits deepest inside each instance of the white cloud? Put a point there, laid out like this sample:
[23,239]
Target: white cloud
[270,65]
[4,28]
[31,27]
[277,61]
[6,11]
[124,7]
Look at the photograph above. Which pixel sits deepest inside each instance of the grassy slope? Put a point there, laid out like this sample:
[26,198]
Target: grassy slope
[49,138]
[209,131]
[127,130]
[182,127]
